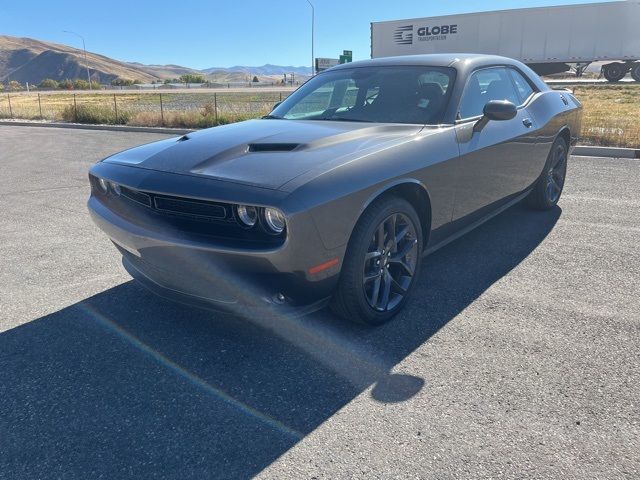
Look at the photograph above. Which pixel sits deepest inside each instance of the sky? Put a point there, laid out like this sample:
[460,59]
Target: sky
[200,34]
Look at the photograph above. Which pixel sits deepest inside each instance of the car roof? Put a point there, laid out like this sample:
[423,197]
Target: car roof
[464,63]
[468,60]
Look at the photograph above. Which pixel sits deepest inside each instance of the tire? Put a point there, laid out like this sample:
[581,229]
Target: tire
[376,263]
[614,72]
[635,71]
[548,188]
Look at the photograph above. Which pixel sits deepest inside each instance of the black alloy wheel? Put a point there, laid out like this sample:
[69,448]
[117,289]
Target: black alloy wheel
[546,192]
[381,264]
[390,262]
[556,173]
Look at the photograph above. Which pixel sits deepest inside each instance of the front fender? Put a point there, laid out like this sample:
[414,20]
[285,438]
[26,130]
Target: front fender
[337,198]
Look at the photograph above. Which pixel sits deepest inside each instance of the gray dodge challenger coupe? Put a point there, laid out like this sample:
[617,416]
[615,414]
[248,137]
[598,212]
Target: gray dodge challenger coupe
[334,197]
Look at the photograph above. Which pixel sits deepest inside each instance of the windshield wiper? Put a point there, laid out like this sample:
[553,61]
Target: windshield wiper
[344,119]
[272,117]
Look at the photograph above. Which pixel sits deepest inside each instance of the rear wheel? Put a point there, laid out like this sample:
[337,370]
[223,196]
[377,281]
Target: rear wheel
[635,71]
[548,188]
[614,72]
[381,264]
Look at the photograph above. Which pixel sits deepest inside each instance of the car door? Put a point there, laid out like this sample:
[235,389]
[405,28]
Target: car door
[495,162]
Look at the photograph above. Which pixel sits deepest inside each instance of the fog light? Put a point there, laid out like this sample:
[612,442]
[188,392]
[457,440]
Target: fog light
[247,215]
[274,219]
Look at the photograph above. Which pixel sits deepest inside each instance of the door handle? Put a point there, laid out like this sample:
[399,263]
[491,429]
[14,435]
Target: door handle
[527,123]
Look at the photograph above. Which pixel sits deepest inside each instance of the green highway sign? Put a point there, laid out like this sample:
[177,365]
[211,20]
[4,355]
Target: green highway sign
[346,57]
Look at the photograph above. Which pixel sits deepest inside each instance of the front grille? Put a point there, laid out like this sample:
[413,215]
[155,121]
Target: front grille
[136,196]
[190,207]
[184,216]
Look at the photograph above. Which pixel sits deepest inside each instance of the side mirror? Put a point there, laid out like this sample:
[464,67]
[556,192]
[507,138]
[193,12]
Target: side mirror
[496,110]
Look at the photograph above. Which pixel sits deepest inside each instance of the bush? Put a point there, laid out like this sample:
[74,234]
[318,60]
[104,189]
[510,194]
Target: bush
[15,86]
[66,84]
[94,114]
[79,84]
[48,84]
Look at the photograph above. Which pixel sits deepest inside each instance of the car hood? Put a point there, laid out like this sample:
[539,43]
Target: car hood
[266,153]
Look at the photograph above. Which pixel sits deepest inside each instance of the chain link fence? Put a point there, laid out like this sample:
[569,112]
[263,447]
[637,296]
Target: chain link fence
[168,109]
[610,112]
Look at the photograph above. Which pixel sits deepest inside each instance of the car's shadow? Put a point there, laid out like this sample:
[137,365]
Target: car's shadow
[124,384]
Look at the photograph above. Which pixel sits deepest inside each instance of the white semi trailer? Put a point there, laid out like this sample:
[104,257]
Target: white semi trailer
[548,39]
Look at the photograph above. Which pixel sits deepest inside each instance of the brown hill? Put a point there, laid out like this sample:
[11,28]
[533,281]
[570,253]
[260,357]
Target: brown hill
[29,60]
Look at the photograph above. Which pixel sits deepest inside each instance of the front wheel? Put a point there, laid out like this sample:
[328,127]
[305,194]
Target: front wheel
[548,188]
[381,264]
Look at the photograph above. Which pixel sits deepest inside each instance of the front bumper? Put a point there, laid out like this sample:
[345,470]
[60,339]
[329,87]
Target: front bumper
[220,274]
[255,306]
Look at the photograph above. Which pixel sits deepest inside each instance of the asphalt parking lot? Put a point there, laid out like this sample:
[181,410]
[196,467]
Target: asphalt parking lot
[519,357]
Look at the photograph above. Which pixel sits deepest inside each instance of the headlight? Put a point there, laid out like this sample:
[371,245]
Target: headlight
[103,184]
[247,215]
[115,188]
[274,219]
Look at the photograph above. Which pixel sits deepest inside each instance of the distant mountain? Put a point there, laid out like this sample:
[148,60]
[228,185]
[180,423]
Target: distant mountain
[29,60]
[164,71]
[265,70]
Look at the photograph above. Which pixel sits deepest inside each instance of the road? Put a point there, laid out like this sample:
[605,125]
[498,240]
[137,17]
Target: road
[518,357]
[627,81]
[249,90]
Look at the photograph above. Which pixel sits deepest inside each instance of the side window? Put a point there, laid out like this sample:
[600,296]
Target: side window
[484,86]
[523,87]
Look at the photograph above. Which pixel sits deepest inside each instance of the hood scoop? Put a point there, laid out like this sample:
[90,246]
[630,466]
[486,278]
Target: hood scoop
[272,147]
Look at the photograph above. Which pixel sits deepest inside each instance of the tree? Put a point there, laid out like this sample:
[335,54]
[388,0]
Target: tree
[191,78]
[14,86]
[255,79]
[48,84]
[95,85]
[121,82]
[1,87]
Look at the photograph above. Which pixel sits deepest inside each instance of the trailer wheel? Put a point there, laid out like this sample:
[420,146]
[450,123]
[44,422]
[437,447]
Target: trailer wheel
[614,72]
[635,71]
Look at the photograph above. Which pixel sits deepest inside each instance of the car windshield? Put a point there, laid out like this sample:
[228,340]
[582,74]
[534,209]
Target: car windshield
[393,94]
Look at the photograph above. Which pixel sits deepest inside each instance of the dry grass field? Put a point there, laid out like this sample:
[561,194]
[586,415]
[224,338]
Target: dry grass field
[611,112]
[611,115]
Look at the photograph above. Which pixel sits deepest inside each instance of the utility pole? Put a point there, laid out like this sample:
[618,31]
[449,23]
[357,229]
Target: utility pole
[313,14]
[86,62]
